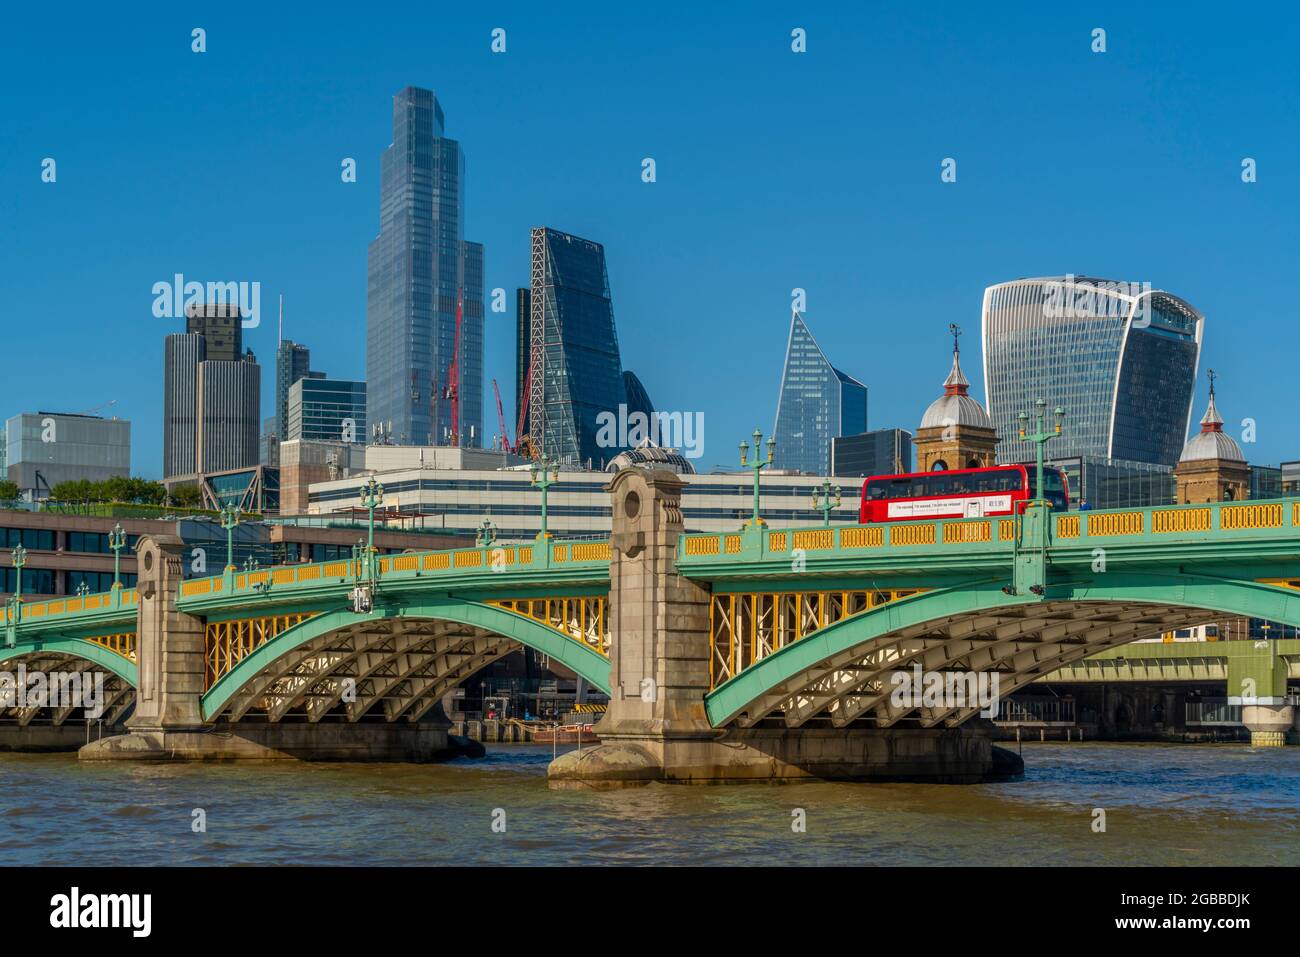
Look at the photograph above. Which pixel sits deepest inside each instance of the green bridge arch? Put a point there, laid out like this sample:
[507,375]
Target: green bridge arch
[97,654]
[1236,597]
[573,654]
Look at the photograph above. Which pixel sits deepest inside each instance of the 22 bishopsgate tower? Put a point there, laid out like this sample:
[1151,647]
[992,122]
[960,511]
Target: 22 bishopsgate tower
[418,266]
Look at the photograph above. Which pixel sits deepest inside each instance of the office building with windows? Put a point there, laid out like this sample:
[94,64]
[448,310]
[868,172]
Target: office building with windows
[817,402]
[292,363]
[66,551]
[46,448]
[419,266]
[573,349]
[1113,483]
[881,452]
[455,496]
[228,414]
[327,410]
[1120,360]
[211,397]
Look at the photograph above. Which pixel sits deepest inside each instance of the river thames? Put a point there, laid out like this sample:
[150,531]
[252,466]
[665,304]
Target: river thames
[1164,805]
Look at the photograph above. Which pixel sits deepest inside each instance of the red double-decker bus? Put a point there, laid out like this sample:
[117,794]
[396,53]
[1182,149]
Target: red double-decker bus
[958,493]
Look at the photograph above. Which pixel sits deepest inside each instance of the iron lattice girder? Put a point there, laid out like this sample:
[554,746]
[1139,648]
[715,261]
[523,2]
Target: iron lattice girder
[1012,658]
[119,694]
[1110,610]
[375,661]
[406,656]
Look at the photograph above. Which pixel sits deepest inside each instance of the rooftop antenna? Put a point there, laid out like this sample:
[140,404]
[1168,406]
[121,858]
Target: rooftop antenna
[281,318]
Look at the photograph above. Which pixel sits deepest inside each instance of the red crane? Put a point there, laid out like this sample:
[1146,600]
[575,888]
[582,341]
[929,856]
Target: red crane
[520,438]
[453,379]
[501,419]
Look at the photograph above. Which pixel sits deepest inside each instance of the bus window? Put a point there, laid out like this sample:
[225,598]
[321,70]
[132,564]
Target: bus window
[1053,487]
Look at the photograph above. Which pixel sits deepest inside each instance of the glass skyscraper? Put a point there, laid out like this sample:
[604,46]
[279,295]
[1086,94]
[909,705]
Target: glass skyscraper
[577,373]
[326,410]
[292,362]
[1120,359]
[417,266]
[817,403]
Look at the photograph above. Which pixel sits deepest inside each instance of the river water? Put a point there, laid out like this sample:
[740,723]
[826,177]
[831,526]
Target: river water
[1164,804]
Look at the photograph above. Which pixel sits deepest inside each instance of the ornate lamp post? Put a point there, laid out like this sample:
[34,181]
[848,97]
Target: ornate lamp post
[1040,438]
[757,466]
[83,589]
[117,542]
[543,478]
[230,521]
[14,606]
[372,496]
[486,534]
[826,506]
[19,556]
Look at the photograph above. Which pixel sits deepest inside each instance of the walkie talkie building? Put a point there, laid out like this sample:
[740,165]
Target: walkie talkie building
[1120,358]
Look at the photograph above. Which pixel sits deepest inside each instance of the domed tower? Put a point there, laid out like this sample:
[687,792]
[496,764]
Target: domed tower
[1212,467]
[956,431]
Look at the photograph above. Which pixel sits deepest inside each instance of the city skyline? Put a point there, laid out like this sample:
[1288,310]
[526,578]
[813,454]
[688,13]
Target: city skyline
[585,177]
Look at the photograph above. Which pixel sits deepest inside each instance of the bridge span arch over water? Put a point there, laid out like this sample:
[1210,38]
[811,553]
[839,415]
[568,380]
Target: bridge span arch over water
[696,637]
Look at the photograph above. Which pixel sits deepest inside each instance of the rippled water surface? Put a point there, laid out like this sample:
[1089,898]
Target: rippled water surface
[1164,804]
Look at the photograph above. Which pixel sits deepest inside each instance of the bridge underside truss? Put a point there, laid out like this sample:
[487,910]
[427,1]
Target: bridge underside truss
[1021,643]
[118,694]
[388,669]
[746,627]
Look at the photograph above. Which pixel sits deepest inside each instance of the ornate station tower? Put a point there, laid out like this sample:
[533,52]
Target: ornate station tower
[1212,467]
[956,431]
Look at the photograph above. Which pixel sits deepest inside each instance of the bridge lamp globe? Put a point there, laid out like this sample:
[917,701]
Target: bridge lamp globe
[1023,419]
[744,452]
[1060,417]
[771,448]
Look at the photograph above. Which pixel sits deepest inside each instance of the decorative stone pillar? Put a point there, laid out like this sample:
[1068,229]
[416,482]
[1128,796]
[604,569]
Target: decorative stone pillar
[169,643]
[659,665]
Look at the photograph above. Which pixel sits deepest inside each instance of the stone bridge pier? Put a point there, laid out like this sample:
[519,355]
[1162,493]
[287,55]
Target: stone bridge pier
[656,728]
[168,722]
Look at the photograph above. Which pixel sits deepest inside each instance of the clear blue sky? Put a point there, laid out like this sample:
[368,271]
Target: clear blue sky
[775,170]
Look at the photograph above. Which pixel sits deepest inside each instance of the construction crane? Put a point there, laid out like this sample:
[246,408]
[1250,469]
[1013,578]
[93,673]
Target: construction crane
[501,419]
[452,392]
[524,443]
[99,408]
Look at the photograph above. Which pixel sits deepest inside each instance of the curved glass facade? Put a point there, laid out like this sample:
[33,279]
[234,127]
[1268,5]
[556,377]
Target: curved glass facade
[1119,358]
[581,373]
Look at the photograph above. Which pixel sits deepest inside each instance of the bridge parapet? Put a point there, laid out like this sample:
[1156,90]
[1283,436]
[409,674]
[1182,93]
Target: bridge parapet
[492,567]
[1220,531]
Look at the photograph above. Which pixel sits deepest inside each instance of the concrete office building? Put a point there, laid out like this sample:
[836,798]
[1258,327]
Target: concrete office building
[211,397]
[456,495]
[228,414]
[46,448]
